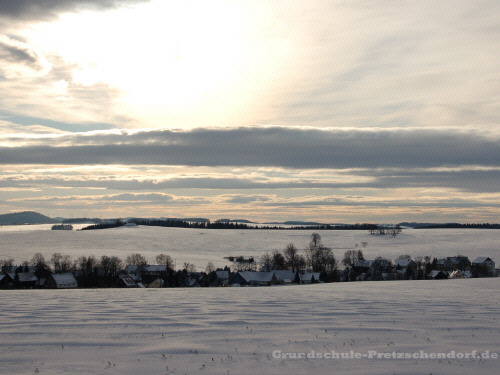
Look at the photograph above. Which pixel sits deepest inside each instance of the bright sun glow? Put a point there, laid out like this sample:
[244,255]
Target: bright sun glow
[176,63]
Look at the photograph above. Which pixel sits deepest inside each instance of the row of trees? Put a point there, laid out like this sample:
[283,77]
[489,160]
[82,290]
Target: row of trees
[89,270]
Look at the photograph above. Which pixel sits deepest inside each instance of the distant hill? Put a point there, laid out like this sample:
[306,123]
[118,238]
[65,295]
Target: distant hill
[26,217]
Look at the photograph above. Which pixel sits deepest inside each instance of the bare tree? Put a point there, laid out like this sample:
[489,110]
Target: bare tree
[403,256]
[395,230]
[351,257]
[320,258]
[189,267]
[38,261]
[115,265]
[42,269]
[266,262]
[315,241]
[136,259]
[105,266]
[5,264]
[55,261]
[278,260]
[65,263]
[291,255]
[165,260]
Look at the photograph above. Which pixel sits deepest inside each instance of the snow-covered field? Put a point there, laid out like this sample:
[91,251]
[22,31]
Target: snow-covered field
[199,246]
[237,330]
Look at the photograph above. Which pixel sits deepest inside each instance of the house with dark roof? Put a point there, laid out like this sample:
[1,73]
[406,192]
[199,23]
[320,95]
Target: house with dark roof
[483,267]
[221,278]
[5,281]
[437,275]
[375,269]
[406,269]
[286,276]
[253,278]
[309,277]
[61,281]
[25,280]
[147,273]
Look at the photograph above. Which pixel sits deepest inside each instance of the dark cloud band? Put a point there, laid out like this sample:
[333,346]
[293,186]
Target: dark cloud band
[269,147]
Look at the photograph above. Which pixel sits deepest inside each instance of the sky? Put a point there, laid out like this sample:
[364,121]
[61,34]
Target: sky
[331,111]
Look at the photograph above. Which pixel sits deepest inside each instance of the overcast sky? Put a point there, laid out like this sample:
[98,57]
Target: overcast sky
[334,111]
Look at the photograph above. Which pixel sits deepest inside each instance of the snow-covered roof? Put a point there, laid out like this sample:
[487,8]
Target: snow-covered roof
[128,280]
[64,279]
[285,275]
[24,277]
[250,276]
[403,262]
[458,275]
[480,260]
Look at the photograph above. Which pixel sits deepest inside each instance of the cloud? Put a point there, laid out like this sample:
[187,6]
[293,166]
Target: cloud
[48,9]
[124,199]
[335,148]
[21,59]
[462,179]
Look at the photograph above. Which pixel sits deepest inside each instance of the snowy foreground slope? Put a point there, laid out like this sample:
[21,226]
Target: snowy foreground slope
[237,330]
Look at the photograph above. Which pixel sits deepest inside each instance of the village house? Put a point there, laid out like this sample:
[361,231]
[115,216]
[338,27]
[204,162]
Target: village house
[129,281]
[450,264]
[376,269]
[61,281]
[483,267]
[286,276]
[196,279]
[457,274]
[459,262]
[222,278]
[5,281]
[406,269]
[146,273]
[437,275]
[309,278]
[24,280]
[253,278]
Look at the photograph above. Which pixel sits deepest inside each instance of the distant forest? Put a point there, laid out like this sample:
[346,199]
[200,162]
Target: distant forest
[223,224]
[450,225]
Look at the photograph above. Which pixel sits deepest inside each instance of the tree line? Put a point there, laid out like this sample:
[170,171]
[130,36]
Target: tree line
[224,224]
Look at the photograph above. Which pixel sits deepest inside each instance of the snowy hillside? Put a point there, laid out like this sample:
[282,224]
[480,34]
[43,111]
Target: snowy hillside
[201,246]
[248,330]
